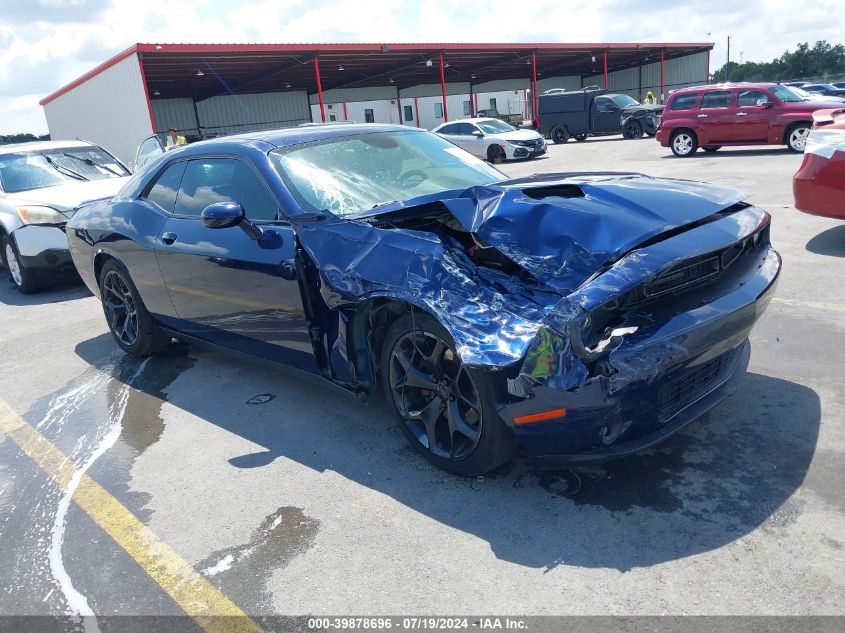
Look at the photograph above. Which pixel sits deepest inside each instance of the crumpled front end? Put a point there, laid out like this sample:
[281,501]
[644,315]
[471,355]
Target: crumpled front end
[647,346]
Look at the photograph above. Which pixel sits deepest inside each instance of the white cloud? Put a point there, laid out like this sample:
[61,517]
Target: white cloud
[47,43]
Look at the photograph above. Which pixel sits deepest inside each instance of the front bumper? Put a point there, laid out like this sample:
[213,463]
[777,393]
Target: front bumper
[518,152]
[677,365]
[43,248]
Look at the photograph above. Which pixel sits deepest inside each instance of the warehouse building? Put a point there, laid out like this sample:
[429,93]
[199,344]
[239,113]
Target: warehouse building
[207,90]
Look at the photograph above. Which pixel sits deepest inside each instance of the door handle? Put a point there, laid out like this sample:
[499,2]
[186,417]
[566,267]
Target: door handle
[168,238]
[742,113]
[702,116]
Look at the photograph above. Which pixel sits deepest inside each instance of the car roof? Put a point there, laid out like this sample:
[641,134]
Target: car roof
[307,134]
[41,146]
[726,86]
[477,119]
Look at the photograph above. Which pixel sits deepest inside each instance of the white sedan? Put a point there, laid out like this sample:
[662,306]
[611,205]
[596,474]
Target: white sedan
[492,139]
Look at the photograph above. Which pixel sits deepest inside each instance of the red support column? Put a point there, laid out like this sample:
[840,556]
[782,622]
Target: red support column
[399,107]
[443,87]
[475,104]
[319,89]
[707,74]
[661,76]
[534,100]
[345,114]
[605,70]
[417,110]
[471,113]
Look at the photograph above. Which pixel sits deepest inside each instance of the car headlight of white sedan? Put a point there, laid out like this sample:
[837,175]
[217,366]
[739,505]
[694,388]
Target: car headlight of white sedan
[36,214]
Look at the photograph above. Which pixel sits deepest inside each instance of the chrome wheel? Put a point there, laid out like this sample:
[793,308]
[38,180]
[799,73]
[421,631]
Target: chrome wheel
[798,139]
[682,144]
[13,265]
[435,395]
[120,308]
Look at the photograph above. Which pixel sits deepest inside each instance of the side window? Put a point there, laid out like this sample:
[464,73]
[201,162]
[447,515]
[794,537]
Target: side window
[449,129]
[163,192]
[683,102]
[210,180]
[604,105]
[746,98]
[716,99]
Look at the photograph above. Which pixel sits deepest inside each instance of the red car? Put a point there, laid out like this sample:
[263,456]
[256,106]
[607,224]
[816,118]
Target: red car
[736,114]
[819,185]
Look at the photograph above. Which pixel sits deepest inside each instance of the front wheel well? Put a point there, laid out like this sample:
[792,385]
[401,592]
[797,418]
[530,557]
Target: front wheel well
[792,126]
[366,333]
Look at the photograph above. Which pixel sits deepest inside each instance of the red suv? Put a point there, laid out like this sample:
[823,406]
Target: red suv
[736,114]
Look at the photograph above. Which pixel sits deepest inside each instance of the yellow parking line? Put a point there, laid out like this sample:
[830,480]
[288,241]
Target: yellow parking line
[201,600]
[809,304]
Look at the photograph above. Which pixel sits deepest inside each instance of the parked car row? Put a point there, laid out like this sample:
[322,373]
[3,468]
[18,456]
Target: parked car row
[492,312]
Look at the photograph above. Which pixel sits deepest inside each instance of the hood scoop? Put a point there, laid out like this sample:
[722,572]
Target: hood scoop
[557,191]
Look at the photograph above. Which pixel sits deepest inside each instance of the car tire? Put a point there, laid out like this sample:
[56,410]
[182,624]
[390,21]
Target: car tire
[683,143]
[796,137]
[496,154]
[712,149]
[632,130]
[130,323]
[19,275]
[457,414]
[580,138]
[560,134]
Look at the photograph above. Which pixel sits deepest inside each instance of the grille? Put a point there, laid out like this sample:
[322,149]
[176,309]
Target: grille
[680,392]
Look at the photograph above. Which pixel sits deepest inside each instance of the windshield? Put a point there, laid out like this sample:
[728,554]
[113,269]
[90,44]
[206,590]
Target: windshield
[353,174]
[35,170]
[788,95]
[494,126]
[624,101]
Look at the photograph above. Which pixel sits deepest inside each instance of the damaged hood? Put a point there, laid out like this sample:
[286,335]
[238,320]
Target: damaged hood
[563,228]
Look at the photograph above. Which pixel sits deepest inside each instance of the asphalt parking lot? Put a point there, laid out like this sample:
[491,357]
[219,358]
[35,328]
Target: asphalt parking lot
[310,502]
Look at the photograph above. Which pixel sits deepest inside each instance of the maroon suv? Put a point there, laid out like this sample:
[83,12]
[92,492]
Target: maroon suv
[736,114]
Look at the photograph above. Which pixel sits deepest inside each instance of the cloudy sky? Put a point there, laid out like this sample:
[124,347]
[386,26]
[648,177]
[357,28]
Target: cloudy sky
[47,43]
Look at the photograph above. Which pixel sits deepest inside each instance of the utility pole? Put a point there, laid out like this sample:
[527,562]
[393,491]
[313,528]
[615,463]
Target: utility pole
[728,64]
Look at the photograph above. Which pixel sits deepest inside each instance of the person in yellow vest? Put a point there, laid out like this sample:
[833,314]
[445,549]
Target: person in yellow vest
[649,98]
[174,140]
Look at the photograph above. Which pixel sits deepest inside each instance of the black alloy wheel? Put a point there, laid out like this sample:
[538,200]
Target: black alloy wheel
[120,309]
[131,325]
[446,410]
[560,135]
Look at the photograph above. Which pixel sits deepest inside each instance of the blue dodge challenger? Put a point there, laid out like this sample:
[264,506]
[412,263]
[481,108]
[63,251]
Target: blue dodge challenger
[581,316]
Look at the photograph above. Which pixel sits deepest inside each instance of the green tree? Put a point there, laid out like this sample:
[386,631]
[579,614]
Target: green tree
[22,137]
[821,60]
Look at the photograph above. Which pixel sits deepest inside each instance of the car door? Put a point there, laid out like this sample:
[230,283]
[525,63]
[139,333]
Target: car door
[716,114]
[451,132]
[605,116]
[227,288]
[472,139]
[149,148]
[751,121]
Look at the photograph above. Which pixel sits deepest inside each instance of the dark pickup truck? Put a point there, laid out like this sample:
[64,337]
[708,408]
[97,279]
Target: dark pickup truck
[593,112]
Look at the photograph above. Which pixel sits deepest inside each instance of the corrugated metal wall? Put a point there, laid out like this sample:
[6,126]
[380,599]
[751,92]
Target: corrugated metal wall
[681,72]
[176,113]
[233,114]
[109,109]
[340,95]
[384,111]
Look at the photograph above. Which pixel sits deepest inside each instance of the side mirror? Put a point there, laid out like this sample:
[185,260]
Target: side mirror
[478,133]
[223,215]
